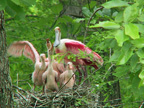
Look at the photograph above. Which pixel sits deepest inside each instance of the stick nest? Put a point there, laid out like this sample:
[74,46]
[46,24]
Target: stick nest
[76,97]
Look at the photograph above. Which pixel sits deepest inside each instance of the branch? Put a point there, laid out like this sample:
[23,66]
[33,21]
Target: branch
[61,13]
[27,93]
[62,88]
[141,106]
[90,21]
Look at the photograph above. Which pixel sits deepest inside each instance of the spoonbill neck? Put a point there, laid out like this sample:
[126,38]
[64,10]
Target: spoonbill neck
[57,38]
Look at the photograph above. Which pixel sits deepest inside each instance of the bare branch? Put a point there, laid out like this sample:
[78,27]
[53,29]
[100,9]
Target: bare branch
[85,33]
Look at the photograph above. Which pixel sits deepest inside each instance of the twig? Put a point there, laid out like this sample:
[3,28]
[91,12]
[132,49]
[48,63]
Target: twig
[85,33]
[62,87]
[86,79]
[19,88]
[108,71]
[17,81]
[35,104]
[61,13]
[30,86]
[27,93]
[141,106]
[22,96]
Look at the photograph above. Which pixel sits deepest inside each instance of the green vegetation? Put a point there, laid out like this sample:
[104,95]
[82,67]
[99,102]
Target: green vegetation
[115,31]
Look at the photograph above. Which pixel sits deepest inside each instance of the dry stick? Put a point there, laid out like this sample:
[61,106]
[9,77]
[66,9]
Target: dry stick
[22,96]
[110,66]
[89,76]
[85,33]
[17,81]
[69,80]
[27,93]
[35,104]
[58,91]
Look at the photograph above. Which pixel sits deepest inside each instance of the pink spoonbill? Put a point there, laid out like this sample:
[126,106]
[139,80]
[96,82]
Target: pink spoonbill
[68,46]
[26,48]
[50,76]
[67,78]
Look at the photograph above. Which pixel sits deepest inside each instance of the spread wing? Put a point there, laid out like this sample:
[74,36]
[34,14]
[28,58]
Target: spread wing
[25,48]
[75,47]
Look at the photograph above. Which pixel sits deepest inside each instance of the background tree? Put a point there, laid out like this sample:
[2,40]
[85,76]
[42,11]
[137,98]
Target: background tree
[6,95]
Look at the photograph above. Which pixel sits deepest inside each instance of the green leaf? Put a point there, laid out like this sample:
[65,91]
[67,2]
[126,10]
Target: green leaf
[141,76]
[140,53]
[17,2]
[115,3]
[91,4]
[141,28]
[136,68]
[132,30]
[133,61]
[86,12]
[15,10]
[121,70]
[10,11]
[119,17]
[140,2]
[139,43]
[130,13]
[78,20]
[57,8]
[28,2]
[106,12]
[115,55]
[141,18]
[135,82]
[120,37]
[142,60]
[126,53]
[3,4]
[141,83]
[107,25]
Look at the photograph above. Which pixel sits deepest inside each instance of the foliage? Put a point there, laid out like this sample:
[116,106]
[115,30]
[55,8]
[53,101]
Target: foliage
[128,45]
[115,32]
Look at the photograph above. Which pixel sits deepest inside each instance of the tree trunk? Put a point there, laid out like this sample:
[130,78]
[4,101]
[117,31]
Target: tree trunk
[6,96]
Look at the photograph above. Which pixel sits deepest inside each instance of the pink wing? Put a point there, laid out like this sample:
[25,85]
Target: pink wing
[74,48]
[24,47]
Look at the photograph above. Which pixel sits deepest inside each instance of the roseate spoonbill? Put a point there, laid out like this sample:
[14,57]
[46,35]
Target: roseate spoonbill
[25,48]
[50,76]
[67,78]
[68,46]
[58,67]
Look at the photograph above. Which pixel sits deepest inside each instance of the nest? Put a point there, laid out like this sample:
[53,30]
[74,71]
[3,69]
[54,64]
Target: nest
[76,97]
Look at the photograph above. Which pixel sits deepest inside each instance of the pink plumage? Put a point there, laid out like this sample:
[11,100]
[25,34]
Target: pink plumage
[84,55]
[69,46]
[24,47]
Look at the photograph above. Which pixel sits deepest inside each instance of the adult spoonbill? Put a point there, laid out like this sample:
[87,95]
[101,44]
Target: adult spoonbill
[50,76]
[84,55]
[67,78]
[25,48]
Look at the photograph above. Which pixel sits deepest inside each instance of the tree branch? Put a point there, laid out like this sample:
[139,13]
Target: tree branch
[85,33]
